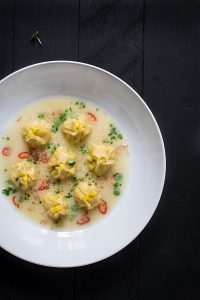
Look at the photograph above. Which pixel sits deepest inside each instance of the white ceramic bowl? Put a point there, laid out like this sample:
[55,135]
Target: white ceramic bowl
[147,165]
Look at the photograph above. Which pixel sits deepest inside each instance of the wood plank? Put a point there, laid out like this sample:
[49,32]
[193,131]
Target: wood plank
[6,37]
[57,23]
[107,39]
[170,244]
[107,32]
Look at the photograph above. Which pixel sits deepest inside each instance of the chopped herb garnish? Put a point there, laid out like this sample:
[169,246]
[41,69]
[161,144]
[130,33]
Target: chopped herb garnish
[5,170]
[73,114]
[35,37]
[7,138]
[24,197]
[117,183]
[80,104]
[40,202]
[118,176]
[116,192]
[41,115]
[9,190]
[74,209]
[74,183]
[32,161]
[58,121]
[113,134]
[57,191]
[69,195]
[56,181]
[71,162]
[84,149]
[97,109]
[52,147]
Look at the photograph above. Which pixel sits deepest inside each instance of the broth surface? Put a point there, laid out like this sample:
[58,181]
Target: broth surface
[48,110]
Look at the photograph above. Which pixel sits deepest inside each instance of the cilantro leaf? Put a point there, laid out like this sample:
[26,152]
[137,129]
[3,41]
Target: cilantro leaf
[58,121]
[52,147]
[41,115]
[74,210]
[117,176]
[9,190]
[84,149]
[71,162]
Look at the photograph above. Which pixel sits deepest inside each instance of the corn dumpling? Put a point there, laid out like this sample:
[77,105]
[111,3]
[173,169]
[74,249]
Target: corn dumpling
[23,175]
[62,163]
[37,134]
[100,159]
[86,195]
[76,130]
[56,205]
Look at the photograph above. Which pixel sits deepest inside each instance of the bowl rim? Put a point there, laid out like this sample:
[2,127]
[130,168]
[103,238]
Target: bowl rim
[160,139]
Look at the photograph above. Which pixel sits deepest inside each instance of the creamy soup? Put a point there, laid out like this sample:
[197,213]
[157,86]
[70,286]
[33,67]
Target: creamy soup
[63,162]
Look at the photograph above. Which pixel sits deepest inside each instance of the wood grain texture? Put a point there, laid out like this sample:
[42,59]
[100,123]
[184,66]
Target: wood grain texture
[170,244]
[108,32]
[6,37]
[57,22]
[105,33]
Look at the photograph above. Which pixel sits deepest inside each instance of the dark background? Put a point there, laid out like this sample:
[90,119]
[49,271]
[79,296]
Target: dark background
[154,45]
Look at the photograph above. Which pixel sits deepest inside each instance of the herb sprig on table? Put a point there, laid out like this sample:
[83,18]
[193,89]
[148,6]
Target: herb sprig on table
[35,37]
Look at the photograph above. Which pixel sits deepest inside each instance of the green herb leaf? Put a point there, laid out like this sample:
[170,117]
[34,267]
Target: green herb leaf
[80,104]
[116,192]
[52,147]
[84,149]
[41,115]
[35,37]
[113,134]
[71,162]
[58,121]
[9,190]
[116,189]
[118,176]
[69,195]
[24,197]
[74,183]
[73,115]
[56,181]
[74,210]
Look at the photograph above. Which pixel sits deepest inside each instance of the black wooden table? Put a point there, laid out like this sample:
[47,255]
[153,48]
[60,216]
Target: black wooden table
[154,45]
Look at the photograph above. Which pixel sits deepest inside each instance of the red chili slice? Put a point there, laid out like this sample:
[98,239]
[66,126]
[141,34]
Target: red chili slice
[91,116]
[6,151]
[15,202]
[85,219]
[44,158]
[103,207]
[44,185]
[24,155]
